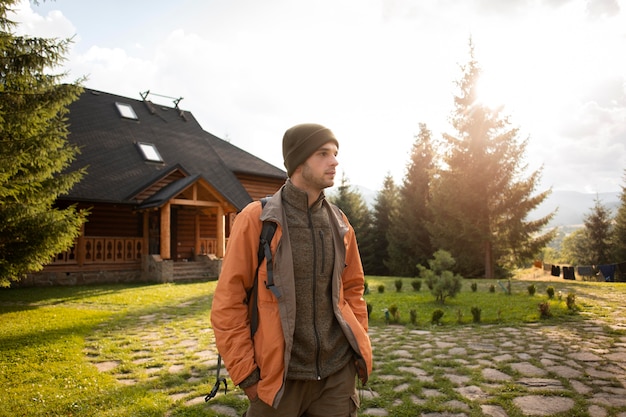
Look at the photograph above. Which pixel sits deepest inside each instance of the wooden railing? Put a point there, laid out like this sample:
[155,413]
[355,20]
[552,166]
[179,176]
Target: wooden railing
[102,250]
[208,246]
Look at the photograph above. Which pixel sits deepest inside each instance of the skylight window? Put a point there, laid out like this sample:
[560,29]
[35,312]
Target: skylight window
[149,152]
[126,111]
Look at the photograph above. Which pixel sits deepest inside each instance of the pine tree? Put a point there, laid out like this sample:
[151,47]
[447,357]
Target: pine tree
[598,230]
[480,200]
[409,237]
[351,202]
[619,230]
[575,248]
[386,200]
[34,153]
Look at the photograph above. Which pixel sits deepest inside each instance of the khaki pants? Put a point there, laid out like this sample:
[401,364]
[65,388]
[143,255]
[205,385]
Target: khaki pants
[335,396]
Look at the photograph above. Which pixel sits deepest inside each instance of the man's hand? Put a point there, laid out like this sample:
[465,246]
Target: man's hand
[251,392]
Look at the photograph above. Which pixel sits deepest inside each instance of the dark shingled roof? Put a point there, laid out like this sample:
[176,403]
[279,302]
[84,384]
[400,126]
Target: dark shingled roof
[116,169]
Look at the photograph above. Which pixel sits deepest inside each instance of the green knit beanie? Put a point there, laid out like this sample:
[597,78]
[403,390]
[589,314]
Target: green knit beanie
[301,141]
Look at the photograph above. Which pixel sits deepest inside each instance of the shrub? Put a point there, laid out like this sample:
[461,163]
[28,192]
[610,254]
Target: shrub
[459,316]
[474,287]
[476,314]
[571,301]
[544,310]
[492,288]
[436,317]
[442,282]
[416,284]
[413,315]
[394,313]
[398,284]
[366,287]
[550,291]
[381,288]
[532,289]
[370,307]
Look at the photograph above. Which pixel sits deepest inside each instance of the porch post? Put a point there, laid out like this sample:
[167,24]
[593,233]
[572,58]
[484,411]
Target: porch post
[145,242]
[196,246]
[80,249]
[165,232]
[221,233]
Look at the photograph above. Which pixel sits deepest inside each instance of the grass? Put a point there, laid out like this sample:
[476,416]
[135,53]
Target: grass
[496,307]
[53,339]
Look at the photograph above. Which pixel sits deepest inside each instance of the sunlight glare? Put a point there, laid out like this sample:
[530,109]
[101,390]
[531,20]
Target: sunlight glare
[494,92]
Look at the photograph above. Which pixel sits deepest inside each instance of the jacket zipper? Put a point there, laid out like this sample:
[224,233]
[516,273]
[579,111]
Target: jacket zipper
[323,248]
[314,288]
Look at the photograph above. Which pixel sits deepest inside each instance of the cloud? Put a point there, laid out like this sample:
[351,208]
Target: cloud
[602,8]
[371,70]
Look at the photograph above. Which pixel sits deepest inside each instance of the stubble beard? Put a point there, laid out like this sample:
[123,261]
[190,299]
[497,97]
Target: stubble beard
[320,182]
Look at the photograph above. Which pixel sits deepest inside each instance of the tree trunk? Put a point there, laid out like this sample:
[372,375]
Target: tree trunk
[489,266]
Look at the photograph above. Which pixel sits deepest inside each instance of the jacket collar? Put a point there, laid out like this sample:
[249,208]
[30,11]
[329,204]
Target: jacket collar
[299,199]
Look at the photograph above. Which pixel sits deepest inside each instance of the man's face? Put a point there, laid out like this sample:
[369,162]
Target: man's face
[318,171]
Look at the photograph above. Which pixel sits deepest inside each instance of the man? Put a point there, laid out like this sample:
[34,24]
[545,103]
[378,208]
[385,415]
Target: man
[311,339]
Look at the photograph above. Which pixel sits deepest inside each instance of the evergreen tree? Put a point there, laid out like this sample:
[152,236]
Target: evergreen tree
[598,230]
[575,248]
[386,199]
[480,200]
[34,153]
[351,202]
[619,230]
[409,238]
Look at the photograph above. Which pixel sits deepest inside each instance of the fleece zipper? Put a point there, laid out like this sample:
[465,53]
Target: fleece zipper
[318,347]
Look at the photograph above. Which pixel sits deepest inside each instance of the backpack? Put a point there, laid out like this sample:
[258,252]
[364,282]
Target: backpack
[264,252]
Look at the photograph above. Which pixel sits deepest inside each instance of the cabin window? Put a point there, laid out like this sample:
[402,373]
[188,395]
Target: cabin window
[126,111]
[149,152]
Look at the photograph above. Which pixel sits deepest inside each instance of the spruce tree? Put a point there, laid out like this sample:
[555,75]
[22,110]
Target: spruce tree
[575,248]
[597,230]
[34,152]
[386,200]
[480,200]
[351,202]
[619,229]
[409,237]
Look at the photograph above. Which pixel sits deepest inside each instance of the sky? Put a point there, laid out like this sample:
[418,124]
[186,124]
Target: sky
[370,70]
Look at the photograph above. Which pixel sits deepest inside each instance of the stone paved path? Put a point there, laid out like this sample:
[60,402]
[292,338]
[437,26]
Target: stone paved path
[578,369]
[545,363]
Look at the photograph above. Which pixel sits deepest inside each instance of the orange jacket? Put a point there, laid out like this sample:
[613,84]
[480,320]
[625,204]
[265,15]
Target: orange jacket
[271,349]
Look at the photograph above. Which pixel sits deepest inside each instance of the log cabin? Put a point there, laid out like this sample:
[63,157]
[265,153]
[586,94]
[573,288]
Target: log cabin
[161,192]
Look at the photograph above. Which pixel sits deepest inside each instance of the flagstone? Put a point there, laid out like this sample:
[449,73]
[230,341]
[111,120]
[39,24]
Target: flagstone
[565,371]
[494,375]
[472,392]
[493,410]
[376,412]
[541,384]
[585,357]
[538,405]
[528,369]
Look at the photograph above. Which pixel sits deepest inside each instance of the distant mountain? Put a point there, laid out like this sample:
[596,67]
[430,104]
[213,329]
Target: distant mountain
[572,206]
[368,195]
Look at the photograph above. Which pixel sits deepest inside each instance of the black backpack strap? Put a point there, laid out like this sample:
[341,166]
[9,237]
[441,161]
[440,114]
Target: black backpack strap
[269,228]
[264,252]
[218,380]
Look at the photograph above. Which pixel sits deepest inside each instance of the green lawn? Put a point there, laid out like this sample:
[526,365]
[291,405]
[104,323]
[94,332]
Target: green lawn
[51,340]
[495,307]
